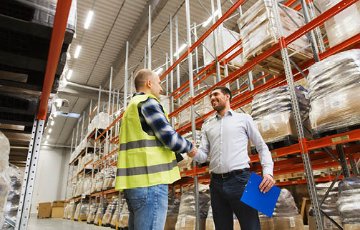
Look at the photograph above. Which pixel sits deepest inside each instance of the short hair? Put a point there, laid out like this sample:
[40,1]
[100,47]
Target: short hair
[141,77]
[224,90]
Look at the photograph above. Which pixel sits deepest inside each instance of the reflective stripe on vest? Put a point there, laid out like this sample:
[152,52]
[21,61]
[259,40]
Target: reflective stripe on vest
[146,169]
[140,144]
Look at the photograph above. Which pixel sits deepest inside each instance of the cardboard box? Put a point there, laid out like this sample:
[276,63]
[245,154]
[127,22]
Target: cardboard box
[58,203]
[57,212]
[44,210]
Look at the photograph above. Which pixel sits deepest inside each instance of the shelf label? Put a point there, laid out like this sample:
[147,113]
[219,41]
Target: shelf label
[339,139]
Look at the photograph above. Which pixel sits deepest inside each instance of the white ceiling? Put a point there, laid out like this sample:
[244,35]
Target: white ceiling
[103,46]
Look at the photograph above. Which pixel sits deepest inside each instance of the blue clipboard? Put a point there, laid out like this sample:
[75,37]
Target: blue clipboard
[263,202]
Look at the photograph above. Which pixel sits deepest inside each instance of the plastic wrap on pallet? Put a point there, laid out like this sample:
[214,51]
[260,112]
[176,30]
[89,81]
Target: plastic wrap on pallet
[258,28]
[83,213]
[186,218]
[272,112]
[99,181]
[340,27]
[100,213]
[100,121]
[172,213]
[349,200]
[15,176]
[4,178]
[109,213]
[109,177]
[41,11]
[333,82]
[124,215]
[285,205]
[225,39]
[92,212]
[116,217]
[77,211]
[87,185]
[69,210]
[329,206]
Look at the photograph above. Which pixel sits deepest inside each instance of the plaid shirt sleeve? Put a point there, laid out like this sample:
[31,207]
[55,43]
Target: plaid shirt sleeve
[155,118]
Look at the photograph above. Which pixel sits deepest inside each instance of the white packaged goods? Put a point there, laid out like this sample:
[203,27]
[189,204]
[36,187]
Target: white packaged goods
[92,213]
[109,213]
[258,29]
[273,114]
[69,210]
[225,39]
[99,214]
[124,215]
[187,218]
[349,200]
[109,177]
[286,214]
[343,25]
[100,121]
[333,82]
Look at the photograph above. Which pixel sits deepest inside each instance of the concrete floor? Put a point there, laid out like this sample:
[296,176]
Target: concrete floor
[60,224]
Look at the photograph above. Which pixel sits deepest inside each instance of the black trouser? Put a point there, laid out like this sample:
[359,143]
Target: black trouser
[225,200]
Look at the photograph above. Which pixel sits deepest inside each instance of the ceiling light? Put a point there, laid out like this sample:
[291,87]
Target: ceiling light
[207,22]
[47,137]
[69,74]
[88,19]
[52,123]
[50,130]
[181,48]
[159,70]
[77,51]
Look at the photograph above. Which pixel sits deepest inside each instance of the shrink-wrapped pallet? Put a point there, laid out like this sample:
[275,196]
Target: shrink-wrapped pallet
[116,217]
[4,178]
[225,39]
[349,200]
[172,213]
[286,214]
[69,211]
[333,85]
[258,29]
[109,213]
[272,112]
[124,216]
[187,218]
[100,121]
[92,213]
[99,214]
[343,25]
[109,177]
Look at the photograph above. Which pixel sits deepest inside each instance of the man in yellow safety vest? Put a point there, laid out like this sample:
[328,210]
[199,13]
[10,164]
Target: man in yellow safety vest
[146,160]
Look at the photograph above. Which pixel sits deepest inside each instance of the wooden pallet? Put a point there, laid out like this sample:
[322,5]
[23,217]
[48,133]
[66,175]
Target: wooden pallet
[319,134]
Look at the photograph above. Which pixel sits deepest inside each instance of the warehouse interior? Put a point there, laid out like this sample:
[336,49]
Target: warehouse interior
[67,74]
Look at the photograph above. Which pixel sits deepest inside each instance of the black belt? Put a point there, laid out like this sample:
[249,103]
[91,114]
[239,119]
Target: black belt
[229,174]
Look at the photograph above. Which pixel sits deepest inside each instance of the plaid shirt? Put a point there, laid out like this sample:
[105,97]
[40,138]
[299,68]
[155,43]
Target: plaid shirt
[155,123]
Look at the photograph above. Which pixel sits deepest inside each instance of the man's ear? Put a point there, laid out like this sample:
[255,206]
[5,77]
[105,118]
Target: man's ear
[148,83]
[227,96]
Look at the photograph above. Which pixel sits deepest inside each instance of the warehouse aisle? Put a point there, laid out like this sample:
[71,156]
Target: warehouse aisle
[59,224]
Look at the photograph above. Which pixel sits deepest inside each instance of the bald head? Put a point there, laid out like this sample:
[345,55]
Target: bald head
[142,77]
[147,81]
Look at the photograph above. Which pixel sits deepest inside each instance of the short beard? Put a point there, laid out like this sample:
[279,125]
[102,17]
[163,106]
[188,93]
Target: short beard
[219,108]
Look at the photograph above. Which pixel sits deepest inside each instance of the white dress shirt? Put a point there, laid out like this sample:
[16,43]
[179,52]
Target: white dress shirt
[225,141]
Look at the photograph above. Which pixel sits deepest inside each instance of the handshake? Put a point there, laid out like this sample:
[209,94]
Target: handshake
[193,151]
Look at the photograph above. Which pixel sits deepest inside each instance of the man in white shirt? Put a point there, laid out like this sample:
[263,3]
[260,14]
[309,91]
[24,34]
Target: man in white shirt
[224,139]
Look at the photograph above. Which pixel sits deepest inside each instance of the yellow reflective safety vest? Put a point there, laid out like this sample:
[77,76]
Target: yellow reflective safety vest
[143,160]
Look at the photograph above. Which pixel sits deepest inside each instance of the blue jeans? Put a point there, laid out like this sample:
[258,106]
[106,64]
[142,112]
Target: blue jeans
[225,200]
[147,207]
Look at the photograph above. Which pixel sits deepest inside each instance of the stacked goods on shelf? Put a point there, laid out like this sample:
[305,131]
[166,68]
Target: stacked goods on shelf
[266,223]
[92,213]
[210,225]
[201,107]
[77,211]
[172,213]
[124,216]
[329,207]
[273,114]
[115,218]
[99,214]
[333,82]
[259,31]
[187,217]
[81,212]
[13,197]
[109,178]
[87,185]
[286,214]
[109,213]
[4,180]
[100,121]
[69,210]
[349,202]
[99,181]
[83,161]
[80,148]
[225,39]
[340,27]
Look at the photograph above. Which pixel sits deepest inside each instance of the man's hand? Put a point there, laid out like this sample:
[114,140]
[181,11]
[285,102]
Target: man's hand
[266,184]
[193,151]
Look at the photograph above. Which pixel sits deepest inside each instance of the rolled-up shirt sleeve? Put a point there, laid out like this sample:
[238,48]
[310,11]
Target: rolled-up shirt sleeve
[204,148]
[261,147]
[155,117]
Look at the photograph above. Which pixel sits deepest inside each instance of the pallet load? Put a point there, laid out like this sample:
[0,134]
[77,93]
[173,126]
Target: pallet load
[259,31]
[114,223]
[92,213]
[225,39]
[109,213]
[187,217]
[99,214]
[286,214]
[349,202]
[273,114]
[210,225]
[172,213]
[69,210]
[124,216]
[333,82]
[329,207]
[4,184]
[340,27]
